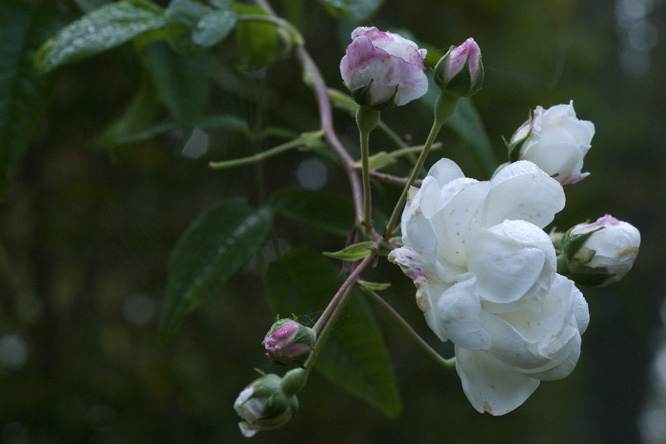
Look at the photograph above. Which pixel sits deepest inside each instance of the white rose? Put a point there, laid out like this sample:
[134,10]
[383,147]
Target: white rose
[485,277]
[613,246]
[385,67]
[556,141]
[540,342]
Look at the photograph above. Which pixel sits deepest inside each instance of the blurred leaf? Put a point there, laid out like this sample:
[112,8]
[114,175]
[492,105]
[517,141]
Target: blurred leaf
[354,355]
[374,286]
[89,5]
[180,79]
[357,10]
[137,117]
[24,94]
[192,26]
[257,42]
[211,250]
[102,29]
[352,252]
[328,211]
[467,123]
[228,121]
[213,28]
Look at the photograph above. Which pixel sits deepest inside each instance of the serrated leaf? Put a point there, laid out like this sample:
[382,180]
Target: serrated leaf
[211,250]
[180,79]
[24,94]
[357,10]
[102,29]
[354,355]
[352,252]
[257,42]
[327,211]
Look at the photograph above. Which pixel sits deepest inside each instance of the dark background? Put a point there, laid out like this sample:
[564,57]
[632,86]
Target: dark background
[85,238]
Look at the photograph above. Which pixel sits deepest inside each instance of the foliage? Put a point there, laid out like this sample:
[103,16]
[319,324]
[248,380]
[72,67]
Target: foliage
[195,65]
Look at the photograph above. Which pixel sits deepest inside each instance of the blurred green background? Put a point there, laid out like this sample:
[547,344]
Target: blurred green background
[85,238]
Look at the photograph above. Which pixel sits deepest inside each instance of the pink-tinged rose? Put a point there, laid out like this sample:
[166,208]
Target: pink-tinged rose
[608,251]
[383,69]
[460,72]
[288,342]
[556,140]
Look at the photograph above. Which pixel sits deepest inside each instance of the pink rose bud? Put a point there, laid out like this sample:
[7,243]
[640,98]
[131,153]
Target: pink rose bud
[289,343]
[382,69]
[599,253]
[556,140]
[460,72]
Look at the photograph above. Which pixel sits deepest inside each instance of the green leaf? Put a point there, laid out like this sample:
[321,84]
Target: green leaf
[180,79]
[192,26]
[257,42]
[356,10]
[467,123]
[353,252]
[89,5]
[136,119]
[227,121]
[24,94]
[374,286]
[210,251]
[327,211]
[102,29]
[354,355]
[213,28]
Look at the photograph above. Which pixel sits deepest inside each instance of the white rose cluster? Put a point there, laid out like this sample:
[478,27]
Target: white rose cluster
[486,279]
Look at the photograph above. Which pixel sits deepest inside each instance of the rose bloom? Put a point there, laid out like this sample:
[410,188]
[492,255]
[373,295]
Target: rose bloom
[263,406]
[614,246]
[556,141]
[486,279]
[388,64]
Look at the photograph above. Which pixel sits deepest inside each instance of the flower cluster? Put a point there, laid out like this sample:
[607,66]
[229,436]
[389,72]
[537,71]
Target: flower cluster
[486,279]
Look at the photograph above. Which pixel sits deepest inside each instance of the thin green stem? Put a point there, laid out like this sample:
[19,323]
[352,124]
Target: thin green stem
[366,120]
[419,340]
[329,316]
[365,177]
[444,109]
[305,139]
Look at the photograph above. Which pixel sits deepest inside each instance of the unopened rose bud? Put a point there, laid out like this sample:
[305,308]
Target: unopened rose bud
[263,405]
[288,342]
[555,140]
[599,253]
[382,69]
[460,72]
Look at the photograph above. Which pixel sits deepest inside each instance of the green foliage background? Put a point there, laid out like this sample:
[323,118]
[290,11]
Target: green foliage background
[86,233]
